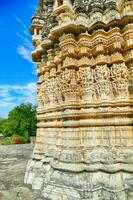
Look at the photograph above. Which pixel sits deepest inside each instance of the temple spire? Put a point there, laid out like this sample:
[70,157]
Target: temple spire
[41,6]
[40,10]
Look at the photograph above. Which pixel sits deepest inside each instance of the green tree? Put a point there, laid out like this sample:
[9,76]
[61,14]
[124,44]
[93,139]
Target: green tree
[2,124]
[21,119]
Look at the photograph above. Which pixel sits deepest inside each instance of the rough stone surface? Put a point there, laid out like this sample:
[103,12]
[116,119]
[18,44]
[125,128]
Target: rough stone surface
[13,160]
[84,143]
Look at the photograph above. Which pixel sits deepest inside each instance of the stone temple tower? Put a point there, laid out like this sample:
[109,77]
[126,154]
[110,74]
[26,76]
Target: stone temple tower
[84,144]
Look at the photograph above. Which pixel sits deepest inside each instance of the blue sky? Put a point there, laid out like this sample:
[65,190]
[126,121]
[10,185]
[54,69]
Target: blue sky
[17,71]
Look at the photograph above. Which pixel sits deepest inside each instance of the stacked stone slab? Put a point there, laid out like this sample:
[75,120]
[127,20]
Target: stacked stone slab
[84,56]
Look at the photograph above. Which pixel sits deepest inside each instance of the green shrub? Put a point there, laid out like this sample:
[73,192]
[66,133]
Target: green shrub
[26,137]
[6,141]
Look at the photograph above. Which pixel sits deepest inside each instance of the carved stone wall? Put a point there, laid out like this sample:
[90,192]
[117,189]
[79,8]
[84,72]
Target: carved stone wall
[84,144]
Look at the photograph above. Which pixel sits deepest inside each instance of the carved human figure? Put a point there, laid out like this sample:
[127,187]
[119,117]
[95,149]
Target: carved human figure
[103,85]
[69,84]
[51,86]
[119,74]
[85,79]
[44,88]
[59,93]
[45,93]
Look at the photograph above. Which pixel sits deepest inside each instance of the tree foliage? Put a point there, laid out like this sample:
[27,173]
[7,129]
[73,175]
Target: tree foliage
[21,119]
[2,123]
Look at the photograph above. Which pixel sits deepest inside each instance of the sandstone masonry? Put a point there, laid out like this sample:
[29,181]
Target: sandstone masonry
[84,56]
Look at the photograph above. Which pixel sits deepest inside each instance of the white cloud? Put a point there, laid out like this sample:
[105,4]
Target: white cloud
[12,95]
[25,48]
[34,71]
[20,21]
[28,43]
[24,52]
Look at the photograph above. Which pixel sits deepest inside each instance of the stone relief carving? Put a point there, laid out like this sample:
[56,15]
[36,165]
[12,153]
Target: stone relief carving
[69,84]
[86,83]
[103,85]
[119,73]
[84,146]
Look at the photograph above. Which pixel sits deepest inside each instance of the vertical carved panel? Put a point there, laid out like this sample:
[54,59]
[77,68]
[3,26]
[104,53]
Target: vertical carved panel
[119,73]
[103,85]
[86,83]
